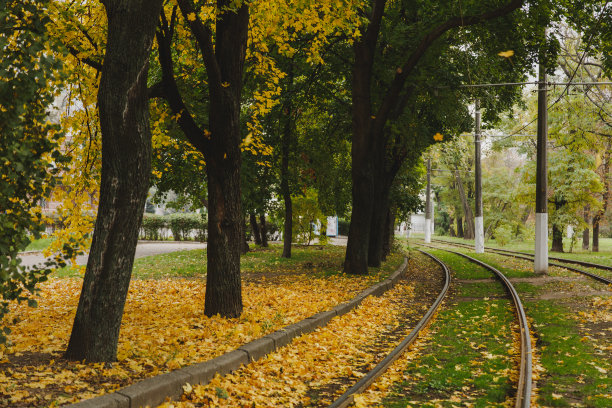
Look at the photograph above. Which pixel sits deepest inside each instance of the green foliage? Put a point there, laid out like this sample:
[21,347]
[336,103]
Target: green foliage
[502,235]
[182,225]
[152,226]
[306,213]
[343,226]
[29,153]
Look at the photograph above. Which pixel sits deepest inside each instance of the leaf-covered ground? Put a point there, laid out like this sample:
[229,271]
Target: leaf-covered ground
[316,368]
[164,327]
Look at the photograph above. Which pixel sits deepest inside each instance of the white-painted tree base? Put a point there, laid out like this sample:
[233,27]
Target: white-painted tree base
[479,235]
[427,230]
[540,264]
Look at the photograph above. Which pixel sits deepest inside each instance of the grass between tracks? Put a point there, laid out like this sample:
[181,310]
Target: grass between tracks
[163,326]
[572,332]
[575,346]
[468,356]
[604,256]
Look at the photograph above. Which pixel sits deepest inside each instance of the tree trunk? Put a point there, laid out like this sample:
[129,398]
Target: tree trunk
[255,229]
[605,198]
[389,237]
[285,188]
[460,227]
[468,233]
[245,241]
[380,209]
[126,168]
[264,231]
[596,233]
[585,233]
[557,241]
[223,160]
[220,144]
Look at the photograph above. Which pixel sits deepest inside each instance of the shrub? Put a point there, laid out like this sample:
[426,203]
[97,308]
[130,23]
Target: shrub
[503,234]
[182,226]
[152,225]
[343,226]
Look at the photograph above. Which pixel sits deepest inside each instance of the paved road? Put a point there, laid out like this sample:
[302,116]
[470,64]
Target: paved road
[143,249]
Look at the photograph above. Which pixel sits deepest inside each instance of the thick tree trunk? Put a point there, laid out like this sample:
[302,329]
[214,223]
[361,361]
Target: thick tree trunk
[223,159]
[126,168]
[468,233]
[245,239]
[378,226]
[557,239]
[255,229]
[389,237]
[220,144]
[264,231]
[585,233]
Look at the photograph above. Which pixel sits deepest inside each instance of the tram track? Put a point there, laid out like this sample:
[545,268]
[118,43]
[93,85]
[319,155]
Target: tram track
[368,379]
[524,387]
[530,257]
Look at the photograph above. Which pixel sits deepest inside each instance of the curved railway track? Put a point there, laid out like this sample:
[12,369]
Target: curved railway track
[530,257]
[347,398]
[523,393]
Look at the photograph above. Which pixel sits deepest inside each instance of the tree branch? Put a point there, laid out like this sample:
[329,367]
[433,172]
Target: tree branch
[203,36]
[402,74]
[168,88]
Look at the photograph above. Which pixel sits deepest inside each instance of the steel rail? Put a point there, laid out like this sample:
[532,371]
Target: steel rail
[529,257]
[523,393]
[347,398]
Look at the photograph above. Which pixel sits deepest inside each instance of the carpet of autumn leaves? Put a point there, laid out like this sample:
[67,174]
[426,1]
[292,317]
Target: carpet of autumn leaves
[317,366]
[163,328]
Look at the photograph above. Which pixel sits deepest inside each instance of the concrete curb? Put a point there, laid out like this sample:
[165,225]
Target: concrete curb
[155,390]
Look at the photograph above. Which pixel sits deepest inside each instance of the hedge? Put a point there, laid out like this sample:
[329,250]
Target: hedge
[183,226]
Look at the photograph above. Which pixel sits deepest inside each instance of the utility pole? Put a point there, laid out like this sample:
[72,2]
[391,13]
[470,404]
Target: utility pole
[541,239]
[478,219]
[428,204]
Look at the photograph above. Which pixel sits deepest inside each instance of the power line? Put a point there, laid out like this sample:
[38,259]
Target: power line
[534,83]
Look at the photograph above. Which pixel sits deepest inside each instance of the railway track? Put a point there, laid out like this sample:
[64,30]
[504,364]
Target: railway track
[347,398]
[530,257]
[523,393]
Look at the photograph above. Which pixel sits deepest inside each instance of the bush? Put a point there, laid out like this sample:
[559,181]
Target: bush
[503,234]
[343,227]
[182,226]
[152,225]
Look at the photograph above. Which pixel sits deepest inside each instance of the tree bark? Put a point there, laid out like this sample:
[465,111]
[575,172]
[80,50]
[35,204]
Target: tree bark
[224,63]
[468,233]
[245,240]
[284,185]
[460,233]
[264,231]
[557,239]
[126,168]
[585,233]
[255,228]
[389,237]
[605,198]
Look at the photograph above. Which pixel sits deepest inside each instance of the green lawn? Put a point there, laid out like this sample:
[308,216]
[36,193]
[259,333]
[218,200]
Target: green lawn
[39,244]
[317,260]
[604,256]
